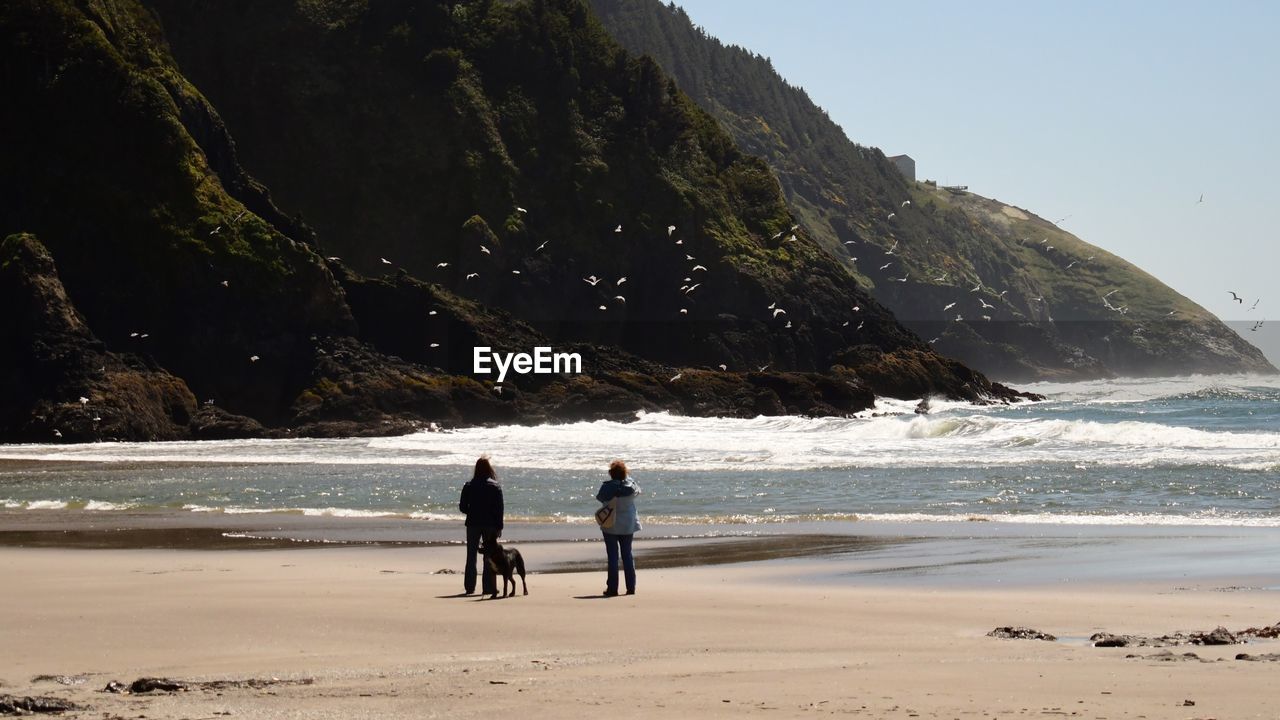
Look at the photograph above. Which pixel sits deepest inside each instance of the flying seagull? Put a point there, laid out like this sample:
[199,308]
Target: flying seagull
[442,265]
[472,275]
[906,203]
[618,229]
[779,311]
[1236,297]
[670,229]
[485,250]
[385,261]
[254,358]
[621,280]
[948,307]
[882,267]
[591,280]
[539,248]
[696,268]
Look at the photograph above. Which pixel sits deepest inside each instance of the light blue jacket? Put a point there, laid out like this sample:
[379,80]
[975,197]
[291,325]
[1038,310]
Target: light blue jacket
[626,521]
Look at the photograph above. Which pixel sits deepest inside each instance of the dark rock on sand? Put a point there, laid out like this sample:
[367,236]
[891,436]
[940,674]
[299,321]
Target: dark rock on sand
[1269,633]
[145,685]
[13,705]
[1217,636]
[1020,633]
[1268,657]
[1166,656]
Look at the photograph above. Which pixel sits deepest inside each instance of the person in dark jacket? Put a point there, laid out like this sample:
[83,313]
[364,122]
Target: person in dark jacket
[620,490]
[482,504]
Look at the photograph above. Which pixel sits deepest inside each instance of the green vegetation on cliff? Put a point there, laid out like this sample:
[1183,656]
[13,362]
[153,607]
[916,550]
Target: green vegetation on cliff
[1037,313]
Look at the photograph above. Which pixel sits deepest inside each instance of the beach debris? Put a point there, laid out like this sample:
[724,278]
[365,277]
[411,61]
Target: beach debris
[1020,633]
[62,679]
[1271,632]
[1167,656]
[1217,636]
[148,685]
[1188,703]
[144,685]
[1268,657]
[446,571]
[13,705]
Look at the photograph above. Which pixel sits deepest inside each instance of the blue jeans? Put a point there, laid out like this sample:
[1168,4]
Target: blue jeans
[612,545]
[489,582]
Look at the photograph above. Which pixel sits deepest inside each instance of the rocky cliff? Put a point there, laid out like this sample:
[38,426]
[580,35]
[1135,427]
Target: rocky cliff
[502,166]
[995,286]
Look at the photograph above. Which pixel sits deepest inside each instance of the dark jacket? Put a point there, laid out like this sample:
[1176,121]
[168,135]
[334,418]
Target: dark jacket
[482,503]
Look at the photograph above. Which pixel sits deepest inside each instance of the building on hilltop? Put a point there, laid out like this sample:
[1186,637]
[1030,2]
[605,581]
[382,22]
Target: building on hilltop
[905,165]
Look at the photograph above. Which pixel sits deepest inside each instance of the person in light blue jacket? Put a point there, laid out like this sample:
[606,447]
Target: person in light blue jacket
[621,490]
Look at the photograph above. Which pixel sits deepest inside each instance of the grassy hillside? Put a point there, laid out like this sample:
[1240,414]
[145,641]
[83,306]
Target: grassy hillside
[1046,315]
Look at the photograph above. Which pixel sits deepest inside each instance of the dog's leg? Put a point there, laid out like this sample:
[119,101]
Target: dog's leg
[519,563]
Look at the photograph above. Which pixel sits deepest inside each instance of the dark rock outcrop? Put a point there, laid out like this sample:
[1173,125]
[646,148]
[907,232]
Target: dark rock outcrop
[1020,633]
[14,705]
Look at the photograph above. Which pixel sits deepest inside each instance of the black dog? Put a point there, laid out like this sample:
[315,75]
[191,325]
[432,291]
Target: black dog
[504,562]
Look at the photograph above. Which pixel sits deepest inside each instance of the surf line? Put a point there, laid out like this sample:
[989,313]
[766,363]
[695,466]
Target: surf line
[543,361]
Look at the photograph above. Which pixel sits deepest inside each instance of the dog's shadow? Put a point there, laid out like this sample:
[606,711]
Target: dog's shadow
[592,597]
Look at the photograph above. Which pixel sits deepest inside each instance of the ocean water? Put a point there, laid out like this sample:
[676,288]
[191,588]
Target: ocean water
[1174,451]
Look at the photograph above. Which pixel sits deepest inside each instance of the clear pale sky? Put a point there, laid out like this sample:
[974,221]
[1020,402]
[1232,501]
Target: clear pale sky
[1116,116]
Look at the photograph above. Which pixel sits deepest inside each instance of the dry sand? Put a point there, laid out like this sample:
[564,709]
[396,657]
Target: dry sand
[381,635]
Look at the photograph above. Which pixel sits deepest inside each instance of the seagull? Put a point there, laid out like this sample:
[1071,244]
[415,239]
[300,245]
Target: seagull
[1236,297]
[618,229]
[472,275]
[515,272]
[620,298]
[1002,293]
[791,238]
[688,279]
[620,280]
[935,340]
[677,377]
[497,389]
[670,229]
[882,267]
[442,265]
[692,288]
[905,203]
[385,261]
[762,368]
[333,258]
[788,324]
[976,288]
[845,324]
[84,400]
[850,242]
[57,432]
[890,250]
[864,322]
[1072,264]
[226,283]
[684,311]
[591,280]
[485,250]
[689,257]
[1201,199]
[987,318]
[892,216]
[779,311]
[795,227]
[602,307]
[1113,292]
[942,278]
[722,366]
[857,309]
[433,312]
[521,210]
[901,279]
[254,358]
[775,237]
[435,345]
[236,219]
[959,318]
[679,242]
[539,248]
[696,268]
[984,303]
[1255,304]
[772,305]
[216,230]
[948,307]
[133,334]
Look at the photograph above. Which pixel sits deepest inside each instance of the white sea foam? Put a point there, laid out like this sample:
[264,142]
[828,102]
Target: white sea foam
[46,505]
[104,506]
[960,437]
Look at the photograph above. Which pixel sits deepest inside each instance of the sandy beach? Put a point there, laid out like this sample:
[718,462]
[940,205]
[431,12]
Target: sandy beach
[379,632]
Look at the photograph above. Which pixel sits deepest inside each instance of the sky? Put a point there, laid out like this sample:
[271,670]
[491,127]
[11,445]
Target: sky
[1117,117]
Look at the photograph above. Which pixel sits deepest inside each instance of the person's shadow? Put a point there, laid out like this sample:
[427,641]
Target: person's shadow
[592,597]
